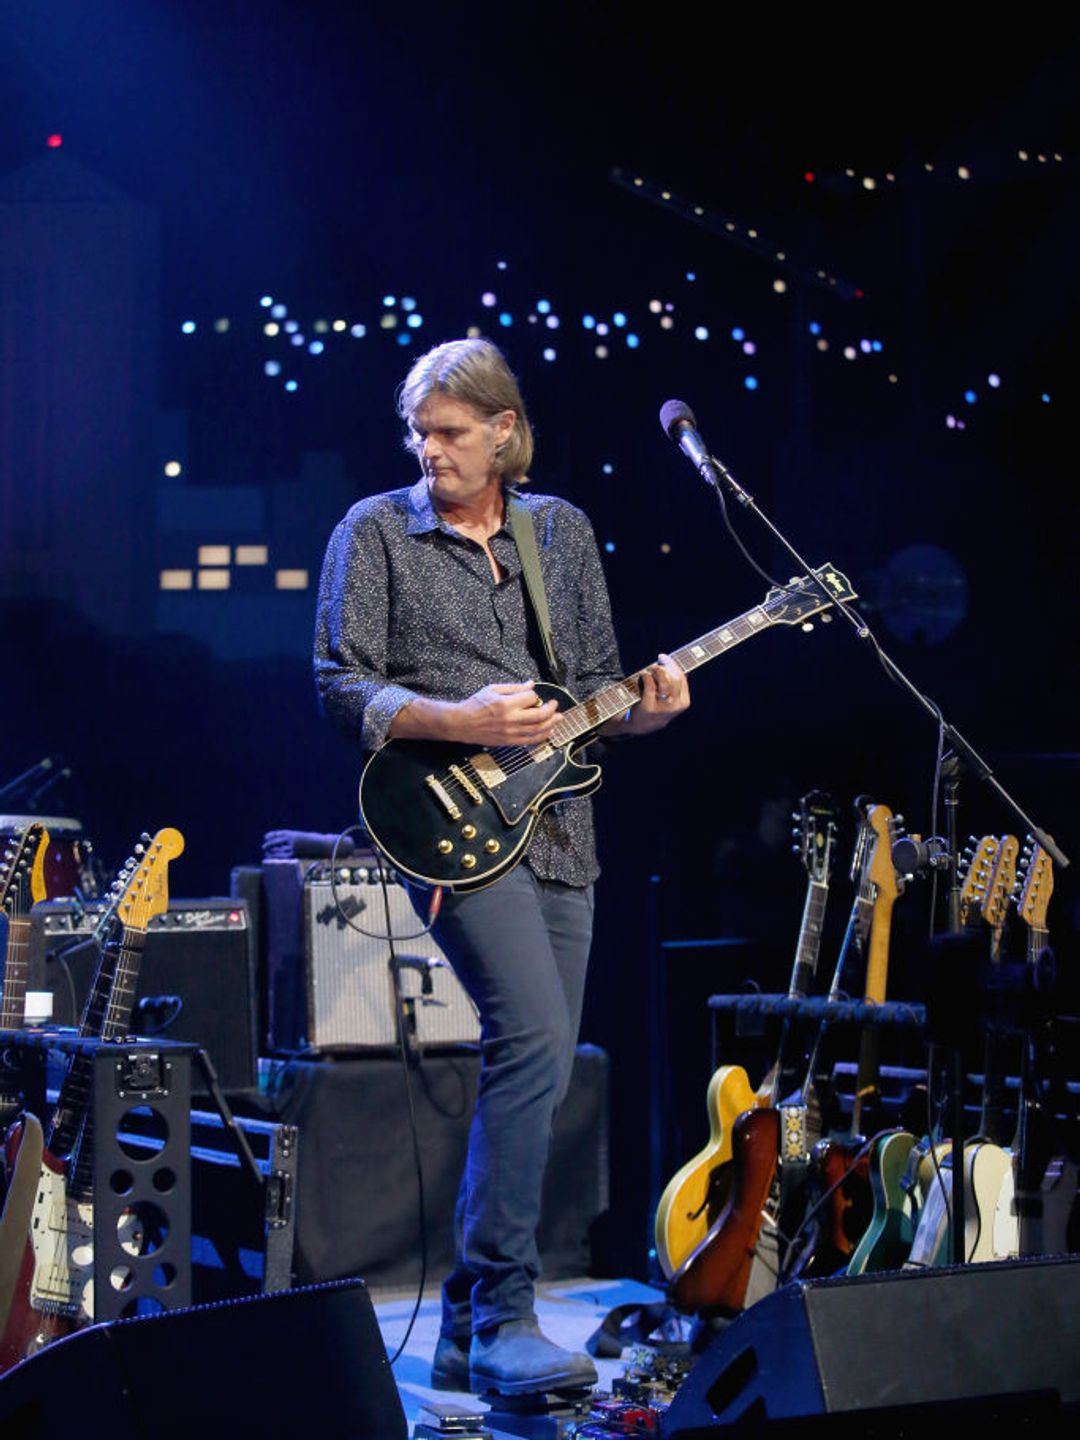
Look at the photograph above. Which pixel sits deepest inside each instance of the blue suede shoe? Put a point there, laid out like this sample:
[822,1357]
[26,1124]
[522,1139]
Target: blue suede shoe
[450,1364]
[516,1359]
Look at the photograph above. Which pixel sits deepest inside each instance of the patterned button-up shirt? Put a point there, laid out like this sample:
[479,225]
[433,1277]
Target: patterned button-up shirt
[409,607]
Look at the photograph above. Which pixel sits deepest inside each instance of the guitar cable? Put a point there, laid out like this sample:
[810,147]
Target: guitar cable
[403,1049]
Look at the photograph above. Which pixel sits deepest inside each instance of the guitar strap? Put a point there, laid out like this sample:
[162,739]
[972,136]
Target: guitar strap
[524,533]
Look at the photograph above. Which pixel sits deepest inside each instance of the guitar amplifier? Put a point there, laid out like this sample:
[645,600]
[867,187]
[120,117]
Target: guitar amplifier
[331,969]
[195,980]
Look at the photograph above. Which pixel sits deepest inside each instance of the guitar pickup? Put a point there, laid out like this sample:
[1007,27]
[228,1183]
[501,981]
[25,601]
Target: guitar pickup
[466,784]
[443,797]
[489,770]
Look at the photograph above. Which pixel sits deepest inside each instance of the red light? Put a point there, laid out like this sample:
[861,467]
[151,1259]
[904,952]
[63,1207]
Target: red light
[859,294]
[54,142]
[809,177]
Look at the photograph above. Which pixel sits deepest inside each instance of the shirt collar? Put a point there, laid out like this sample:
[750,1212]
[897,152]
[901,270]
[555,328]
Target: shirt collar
[423,516]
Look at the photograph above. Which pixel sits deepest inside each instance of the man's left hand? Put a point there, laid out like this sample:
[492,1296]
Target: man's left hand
[665,693]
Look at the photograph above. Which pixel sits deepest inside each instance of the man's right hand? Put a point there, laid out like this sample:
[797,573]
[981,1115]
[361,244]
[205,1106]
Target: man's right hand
[496,715]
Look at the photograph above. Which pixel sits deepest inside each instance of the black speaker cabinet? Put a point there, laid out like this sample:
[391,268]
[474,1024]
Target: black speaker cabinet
[301,1362]
[195,985]
[999,1340]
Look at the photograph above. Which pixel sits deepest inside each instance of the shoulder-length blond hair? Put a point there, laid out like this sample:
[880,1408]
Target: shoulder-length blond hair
[474,372]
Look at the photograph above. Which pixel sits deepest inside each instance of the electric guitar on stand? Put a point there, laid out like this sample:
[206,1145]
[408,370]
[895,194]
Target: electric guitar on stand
[22,885]
[457,817]
[53,1293]
[737,1260]
[696,1194]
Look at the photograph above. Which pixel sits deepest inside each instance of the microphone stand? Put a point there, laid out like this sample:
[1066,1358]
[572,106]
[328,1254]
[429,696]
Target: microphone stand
[717,476]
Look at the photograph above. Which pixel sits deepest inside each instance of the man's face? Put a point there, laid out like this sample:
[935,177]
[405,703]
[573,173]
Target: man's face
[457,446]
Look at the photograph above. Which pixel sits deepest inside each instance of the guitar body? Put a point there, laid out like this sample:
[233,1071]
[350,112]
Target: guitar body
[887,1241]
[717,1274]
[460,816]
[55,1270]
[991,1229]
[696,1194]
[840,1181]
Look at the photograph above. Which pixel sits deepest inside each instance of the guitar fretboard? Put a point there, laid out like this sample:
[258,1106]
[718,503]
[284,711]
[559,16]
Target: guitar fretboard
[618,698]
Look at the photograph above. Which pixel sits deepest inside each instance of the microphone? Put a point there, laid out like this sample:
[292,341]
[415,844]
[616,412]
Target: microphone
[677,420]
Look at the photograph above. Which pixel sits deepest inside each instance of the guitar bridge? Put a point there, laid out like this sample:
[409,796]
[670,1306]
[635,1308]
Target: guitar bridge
[466,784]
[443,796]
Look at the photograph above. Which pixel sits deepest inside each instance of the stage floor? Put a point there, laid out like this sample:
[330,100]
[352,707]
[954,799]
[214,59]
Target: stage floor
[569,1311]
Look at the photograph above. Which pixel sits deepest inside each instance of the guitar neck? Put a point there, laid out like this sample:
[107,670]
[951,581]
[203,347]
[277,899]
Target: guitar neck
[616,699]
[16,968]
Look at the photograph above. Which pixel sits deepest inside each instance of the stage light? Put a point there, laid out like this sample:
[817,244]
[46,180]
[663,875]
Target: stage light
[618,319]
[415,321]
[388,322]
[272,367]
[54,142]
[780,286]
[609,546]
[213,580]
[271,328]
[291,579]
[865,347]
[408,303]
[291,327]
[701,332]
[316,347]
[339,326]
[279,312]
[266,301]
[292,386]
[815,328]
[667,323]
[809,176]
[188,327]
[869,183]
[172,468]
[738,334]
[665,548]
[632,341]
[823,345]
[321,327]
[601,352]
[850,352]
[533,319]
[215,554]
[1045,398]
[601,328]
[251,555]
[487,299]
[691,275]
[970,397]
[358,331]
[655,307]
[500,265]
[473,332]
[607,468]
[749,348]
[296,339]
[589,322]
[543,306]
[876,346]
[549,354]
[221,325]
[175,580]
[506,319]
[963,172]
[950,422]
[552,322]
[994,381]
[751,382]
[403,337]
[389,301]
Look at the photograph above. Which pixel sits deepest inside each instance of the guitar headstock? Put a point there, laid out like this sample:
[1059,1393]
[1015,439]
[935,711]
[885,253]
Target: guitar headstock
[880,870]
[22,869]
[797,602]
[118,889]
[1035,886]
[816,834]
[147,892]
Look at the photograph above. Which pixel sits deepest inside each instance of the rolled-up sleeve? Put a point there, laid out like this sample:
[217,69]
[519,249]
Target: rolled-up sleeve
[351,633]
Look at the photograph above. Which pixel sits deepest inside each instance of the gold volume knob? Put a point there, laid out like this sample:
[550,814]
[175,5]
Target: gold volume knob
[468,862]
[468,832]
[444,847]
[492,847]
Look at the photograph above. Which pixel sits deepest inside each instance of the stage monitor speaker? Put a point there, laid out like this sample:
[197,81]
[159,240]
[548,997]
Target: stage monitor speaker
[195,981]
[331,982]
[998,1339]
[300,1362]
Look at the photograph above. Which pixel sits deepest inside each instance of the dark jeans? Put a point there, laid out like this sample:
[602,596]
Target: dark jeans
[520,948]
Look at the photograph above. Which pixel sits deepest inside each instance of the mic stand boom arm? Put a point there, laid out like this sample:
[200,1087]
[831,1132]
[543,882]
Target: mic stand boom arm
[721,475]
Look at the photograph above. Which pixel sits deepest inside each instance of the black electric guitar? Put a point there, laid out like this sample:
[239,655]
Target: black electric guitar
[457,817]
